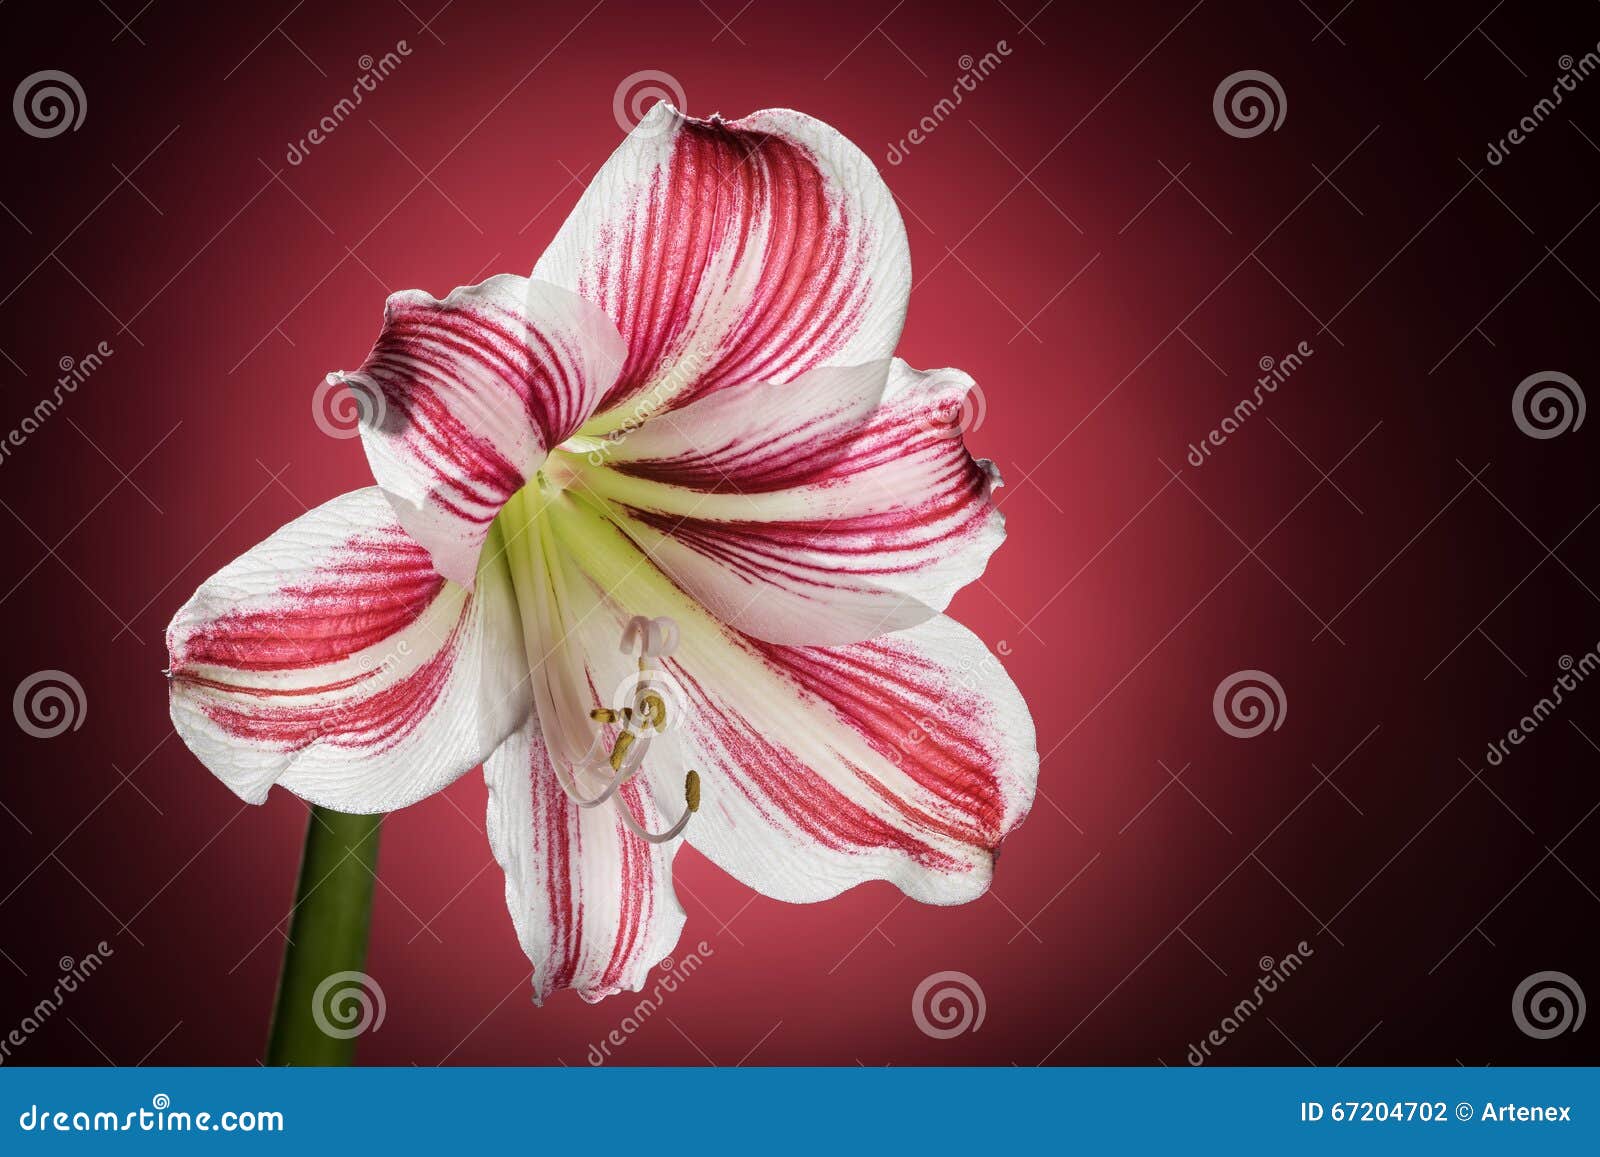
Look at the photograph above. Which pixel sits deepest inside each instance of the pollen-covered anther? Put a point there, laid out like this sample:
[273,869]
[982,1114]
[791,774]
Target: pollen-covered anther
[619,752]
[636,727]
[691,799]
[654,710]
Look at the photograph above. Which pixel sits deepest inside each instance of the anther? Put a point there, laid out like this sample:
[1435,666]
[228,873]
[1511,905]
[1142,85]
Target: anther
[691,799]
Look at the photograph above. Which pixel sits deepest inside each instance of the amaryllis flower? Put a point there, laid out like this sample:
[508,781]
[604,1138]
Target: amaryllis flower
[669,505]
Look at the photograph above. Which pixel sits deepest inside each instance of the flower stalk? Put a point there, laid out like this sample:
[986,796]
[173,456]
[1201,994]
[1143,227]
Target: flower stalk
[328,932]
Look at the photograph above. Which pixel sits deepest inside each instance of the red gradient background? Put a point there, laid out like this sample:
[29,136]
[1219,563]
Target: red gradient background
[1112,312]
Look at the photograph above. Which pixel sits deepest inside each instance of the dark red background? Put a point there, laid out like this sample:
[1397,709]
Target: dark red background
[1105,338]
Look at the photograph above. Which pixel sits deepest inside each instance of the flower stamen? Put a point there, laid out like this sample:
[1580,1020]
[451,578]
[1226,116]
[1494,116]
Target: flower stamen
[636,726]
[691,800]
[623,769]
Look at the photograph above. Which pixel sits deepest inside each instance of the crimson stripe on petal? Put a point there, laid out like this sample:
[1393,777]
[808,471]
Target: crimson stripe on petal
[734,251]
[592,903]
[334,660]
[463,398]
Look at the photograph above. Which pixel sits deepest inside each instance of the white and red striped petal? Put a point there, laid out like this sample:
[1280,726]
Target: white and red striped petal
[907,758]
[734,251]
[334,660]
[830,522]
[592,903]
[755,436]
[462,399]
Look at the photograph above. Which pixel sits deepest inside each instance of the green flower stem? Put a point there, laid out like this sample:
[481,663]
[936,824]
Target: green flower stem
[332,915]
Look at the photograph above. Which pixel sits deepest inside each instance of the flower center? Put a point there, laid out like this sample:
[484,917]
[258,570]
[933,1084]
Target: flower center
[642,717]
[559,470]
[595,750]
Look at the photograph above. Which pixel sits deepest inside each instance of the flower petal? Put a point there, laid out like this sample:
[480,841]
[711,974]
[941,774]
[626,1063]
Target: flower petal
[592,903]
[755,436]
[333,660]
[908,758]
[462,399]
[734,251]
[823,532]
